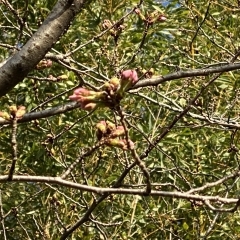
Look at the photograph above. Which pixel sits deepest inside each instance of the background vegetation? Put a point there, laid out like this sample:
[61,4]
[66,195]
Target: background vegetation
[182,115]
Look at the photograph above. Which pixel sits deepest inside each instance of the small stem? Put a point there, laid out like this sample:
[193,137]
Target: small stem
[137,159]
[14,148]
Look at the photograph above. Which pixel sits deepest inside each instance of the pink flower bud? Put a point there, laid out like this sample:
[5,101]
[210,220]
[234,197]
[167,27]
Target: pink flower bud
[89,106]
[128,79]
[86,96]
[75,97]
[20,112]
[44,64]
[130,76]
[119,131]
[48,63]
[116,143]
[137,11]
[81,91]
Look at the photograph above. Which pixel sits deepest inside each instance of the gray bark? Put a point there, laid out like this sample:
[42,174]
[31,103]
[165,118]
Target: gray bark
[21,63]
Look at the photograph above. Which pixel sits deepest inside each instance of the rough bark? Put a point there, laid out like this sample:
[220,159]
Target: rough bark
[55,25]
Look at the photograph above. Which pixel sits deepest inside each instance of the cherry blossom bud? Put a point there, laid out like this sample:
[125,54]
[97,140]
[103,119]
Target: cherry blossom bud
[128,79]
[102,126]
[120,143]
[88,99]
[116,143]
[89,106]
[106,24]
[20,112]
[44,64]
[86,96]
[138,12]
[48,63]
[5,115]
[119,131]
[130,76]
[101,129]
[62,77]
[81,91]
[13,110]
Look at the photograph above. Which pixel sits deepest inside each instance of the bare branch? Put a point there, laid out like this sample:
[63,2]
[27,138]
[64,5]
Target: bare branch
[184,74]
[99,190]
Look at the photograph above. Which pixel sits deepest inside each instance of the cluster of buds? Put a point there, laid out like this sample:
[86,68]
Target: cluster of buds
[88,99]
[45,63]
[14,112]
[152,17]
[118,86]
[110,133]
[112,92]
[114,31]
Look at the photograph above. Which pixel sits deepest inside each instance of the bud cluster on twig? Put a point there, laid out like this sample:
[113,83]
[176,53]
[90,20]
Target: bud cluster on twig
[109,133]
[111,93]
[14,112]
[115,28]
[45,63]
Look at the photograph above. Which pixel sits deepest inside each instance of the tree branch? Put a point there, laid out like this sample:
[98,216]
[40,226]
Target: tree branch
[22,62]
[184,74]
[101,191]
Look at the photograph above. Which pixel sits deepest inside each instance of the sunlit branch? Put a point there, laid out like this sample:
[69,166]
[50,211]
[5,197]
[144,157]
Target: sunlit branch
[99,190]
[185,74]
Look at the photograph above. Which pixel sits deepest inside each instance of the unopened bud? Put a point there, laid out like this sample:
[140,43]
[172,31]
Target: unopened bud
[120,143]
[101,129]
[113,84]
[89,106]
[102,126]
[161,18]
[110,127]
[128,79]
[62,77]
[20,112]
[119,131]
[5,115]
[138,12]
[44,64]
[106,24]
[13,110]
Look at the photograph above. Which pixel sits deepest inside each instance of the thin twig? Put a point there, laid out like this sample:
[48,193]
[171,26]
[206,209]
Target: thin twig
[137,159]
[84,155]
[14,148]
[2,217]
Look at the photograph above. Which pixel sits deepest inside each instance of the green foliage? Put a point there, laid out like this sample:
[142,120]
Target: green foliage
[199,149]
